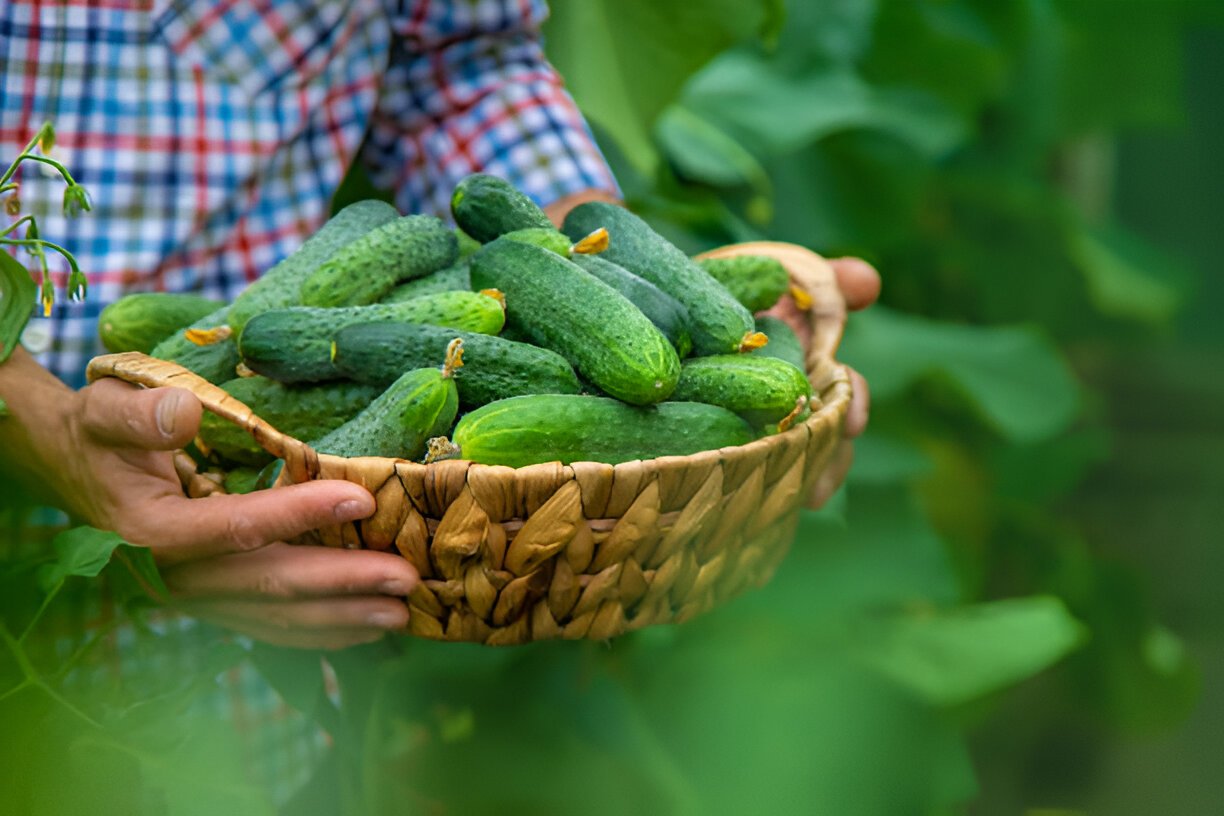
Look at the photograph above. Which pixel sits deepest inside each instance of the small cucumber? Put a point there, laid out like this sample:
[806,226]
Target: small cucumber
[756,281]
[663,310]
[140,321]
[549,238]
[241,480]
[467,244]
[719,323]
[214,362]
[295,345]
[529,430]
[304,412]
[558,306]
[493,368]
[760,389]
[366,269]
[451,279]
[281,285]
[418,406]
[486,207]
[783,344]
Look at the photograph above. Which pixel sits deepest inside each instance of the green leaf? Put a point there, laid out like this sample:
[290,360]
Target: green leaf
[952,657]
[81,551]
[1014,375]
[1119,272]
[17,294]
[701,152]
[883,459]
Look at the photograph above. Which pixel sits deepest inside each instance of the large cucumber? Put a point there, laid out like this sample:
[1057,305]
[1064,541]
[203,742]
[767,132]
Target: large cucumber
[304,412]
[295,345]
[528,430]
[663,310]
[366,269]
[559,307]
[719,323]
[281,285]
[762,390]
[421,404]
[451,279]
[214,362]
[486,207]
[140,321]
[757,281]
[784,344]
[493,368]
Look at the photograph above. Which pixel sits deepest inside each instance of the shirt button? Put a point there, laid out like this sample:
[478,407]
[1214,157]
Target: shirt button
[37,336]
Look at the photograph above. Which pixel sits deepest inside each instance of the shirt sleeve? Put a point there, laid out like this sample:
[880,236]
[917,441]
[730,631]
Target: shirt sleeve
[468,89]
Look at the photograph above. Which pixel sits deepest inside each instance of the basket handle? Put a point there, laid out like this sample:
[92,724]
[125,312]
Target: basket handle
[301,460]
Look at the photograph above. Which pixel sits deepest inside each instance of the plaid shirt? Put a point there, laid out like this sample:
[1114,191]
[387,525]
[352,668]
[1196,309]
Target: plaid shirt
[211,136]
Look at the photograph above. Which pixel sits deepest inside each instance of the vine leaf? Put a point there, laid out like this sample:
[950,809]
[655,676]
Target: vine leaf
[17,294]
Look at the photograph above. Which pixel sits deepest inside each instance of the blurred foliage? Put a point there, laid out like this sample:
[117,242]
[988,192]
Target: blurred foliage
[966,148]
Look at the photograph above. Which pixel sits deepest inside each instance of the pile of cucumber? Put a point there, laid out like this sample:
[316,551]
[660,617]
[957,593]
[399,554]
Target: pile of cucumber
[518,342]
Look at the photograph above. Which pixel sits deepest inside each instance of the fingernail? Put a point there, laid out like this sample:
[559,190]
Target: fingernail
[167,412]
[395,586]
[386,620]
[350,510]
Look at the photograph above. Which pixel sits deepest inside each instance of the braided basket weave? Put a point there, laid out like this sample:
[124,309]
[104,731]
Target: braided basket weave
[585,550]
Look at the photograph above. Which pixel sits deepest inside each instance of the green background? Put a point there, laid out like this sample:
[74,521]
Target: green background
[1010,608]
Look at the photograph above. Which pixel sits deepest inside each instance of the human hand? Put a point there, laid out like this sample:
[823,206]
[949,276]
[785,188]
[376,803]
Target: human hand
[224,558]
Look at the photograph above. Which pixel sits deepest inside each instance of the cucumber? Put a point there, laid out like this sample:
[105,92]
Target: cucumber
[529,430]
[451,279]
[493,368]
[783,343]
[304,412]
[486,207]
[467,244]
[418,406]
[660,308]
[281,285]
[241,480]
[295,345]
[366,269]
[139,322]
[549,238]
[756,281]
[558,306]
[719,324]
[760,389]
[215,362]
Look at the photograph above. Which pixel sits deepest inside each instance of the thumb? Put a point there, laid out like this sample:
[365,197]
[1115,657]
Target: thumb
[119,414]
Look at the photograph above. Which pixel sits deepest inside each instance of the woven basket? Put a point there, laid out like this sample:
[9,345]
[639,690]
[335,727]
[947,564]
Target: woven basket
[586,550]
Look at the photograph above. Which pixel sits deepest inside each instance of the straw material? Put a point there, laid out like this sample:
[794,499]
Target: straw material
[586,550]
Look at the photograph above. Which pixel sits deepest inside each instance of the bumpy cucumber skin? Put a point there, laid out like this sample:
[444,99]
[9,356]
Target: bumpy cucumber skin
[660,308]
[419,405]
[718,322]
[281,285]
[760,389]
[304,412]
[467,244]
[493,368]
[604,336]
[455,278]
[295,345]
[549,238]
[557,427]
[486,207]
[215,363]
[783,343]
[756,281]
[365,270]
[140,321]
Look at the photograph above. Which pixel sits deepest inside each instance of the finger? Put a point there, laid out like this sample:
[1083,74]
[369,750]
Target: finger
[284,571]
[833,475]
[180,529]
[860,406]
[377,612]
[124,415]
[858,280]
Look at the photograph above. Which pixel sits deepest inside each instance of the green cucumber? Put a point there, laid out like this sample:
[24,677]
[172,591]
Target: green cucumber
[467,244]
[493,368]
[241,480]
[215,362]
[365,270]
[549,238]
[783,343]
[451,279]
[559,307]
[140,321]
[418,406]
[281,285]
[529,430]
[756,281]
[719,324]
[303,412]
[660,308]
[295,345]
[760,389]
[486,207]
